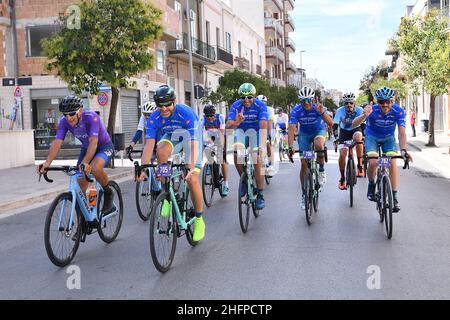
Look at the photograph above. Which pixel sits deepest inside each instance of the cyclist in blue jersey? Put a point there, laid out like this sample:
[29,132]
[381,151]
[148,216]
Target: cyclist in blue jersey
[214,124]
[344,131]
[147,109]
[312,118]
[96,150]
[381,122]
[249,117]
[179,127]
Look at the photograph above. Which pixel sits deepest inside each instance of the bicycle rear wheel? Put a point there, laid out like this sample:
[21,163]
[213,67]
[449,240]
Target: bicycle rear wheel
[208,184]
[61,239]
[387,206]
[243,204]
[256,212]
[110,227]
[163,234]
[350,178]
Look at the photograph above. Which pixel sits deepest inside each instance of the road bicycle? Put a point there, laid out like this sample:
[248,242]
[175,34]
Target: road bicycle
[71,218]
[173,214]
[383,194]
[282,145]
[212,175]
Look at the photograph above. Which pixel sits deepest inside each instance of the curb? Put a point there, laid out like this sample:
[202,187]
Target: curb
[415,147]
[33,200]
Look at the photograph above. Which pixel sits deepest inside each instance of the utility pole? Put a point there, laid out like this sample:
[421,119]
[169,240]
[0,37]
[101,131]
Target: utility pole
[191,68]
[301,69]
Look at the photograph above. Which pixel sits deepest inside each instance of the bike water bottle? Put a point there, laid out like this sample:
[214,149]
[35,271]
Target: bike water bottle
[92,195]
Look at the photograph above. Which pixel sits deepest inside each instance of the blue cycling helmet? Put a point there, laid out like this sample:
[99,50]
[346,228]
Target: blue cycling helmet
[385,93]
[247,89]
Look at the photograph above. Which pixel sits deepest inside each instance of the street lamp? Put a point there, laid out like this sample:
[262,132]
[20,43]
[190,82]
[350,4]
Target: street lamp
[301,69]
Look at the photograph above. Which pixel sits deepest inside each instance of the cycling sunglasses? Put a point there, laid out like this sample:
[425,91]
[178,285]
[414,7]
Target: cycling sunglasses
[70,114]
[165,104]
[349,103]
[307,100]
[248,97]
[384,101]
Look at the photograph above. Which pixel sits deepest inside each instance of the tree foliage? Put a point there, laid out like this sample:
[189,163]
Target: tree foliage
[396,84]
[111,45]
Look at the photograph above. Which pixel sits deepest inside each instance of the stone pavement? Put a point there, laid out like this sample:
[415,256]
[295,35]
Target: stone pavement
[20,188]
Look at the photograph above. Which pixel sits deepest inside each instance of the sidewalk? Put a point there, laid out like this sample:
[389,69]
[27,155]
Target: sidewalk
[437,157]
[20,188]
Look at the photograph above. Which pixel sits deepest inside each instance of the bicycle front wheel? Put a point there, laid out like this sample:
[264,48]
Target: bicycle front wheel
[61,237]
[388,205]
[109,224]
[163,232]
[243,204]
[208,184]
[144,198]
[350,178]
[308,191]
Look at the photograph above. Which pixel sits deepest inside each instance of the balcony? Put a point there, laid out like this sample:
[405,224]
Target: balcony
[290,45]
[242,63]
[277,82]
[274,5]
[170,24]
[289,22]
[290,67]
[202,53]
[274,55]
[289,5]
[271,26]
[224,59]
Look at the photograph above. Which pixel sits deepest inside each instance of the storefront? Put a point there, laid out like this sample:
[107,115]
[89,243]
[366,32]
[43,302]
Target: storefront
[46,116]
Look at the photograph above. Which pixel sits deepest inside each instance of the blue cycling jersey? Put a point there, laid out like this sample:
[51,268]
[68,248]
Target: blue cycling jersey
[183,117]
[256,113]
[381,125]
[217,123]
[345,119]
[311,121]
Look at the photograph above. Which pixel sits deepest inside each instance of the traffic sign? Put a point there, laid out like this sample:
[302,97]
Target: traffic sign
[199,92]
[102,99]
[18,92]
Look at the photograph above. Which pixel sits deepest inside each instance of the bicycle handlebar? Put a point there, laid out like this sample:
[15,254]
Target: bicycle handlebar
[65,169]
[405,159]
[139,168]
[133,151]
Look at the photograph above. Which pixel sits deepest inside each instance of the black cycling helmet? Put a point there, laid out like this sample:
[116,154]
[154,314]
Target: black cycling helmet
[279,110]
[70,104]
[209,110]
[164,95]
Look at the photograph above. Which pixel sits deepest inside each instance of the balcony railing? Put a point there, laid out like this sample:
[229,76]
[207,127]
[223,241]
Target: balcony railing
[289,5]
[277,82]
[290,43]
[224,55]
[242,63]
[275,5]
[290,22]
[272,23]
[199,48]
[274,52]
[291,66]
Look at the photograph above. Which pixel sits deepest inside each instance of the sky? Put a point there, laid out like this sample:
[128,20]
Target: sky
[343,38]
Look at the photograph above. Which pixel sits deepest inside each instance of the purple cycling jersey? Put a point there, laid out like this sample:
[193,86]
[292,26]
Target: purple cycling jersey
[89,126]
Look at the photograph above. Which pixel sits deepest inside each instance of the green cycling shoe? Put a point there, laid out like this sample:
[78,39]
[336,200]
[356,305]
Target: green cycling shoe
[165,211]
[199,229]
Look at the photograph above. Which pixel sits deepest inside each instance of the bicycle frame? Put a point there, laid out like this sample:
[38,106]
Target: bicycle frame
[249,169]
[89,213]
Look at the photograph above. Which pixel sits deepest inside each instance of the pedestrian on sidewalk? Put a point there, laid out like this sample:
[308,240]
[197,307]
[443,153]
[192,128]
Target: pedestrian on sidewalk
[412,120]
[13,115]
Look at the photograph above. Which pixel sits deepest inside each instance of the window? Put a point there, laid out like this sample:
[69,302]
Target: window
[218,37]
[35,35]
[207,33]
[239,49]
[228,41]
[160,60]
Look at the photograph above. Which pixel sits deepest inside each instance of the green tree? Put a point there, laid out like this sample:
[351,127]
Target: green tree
[111,46]
[330,105]
[362,98]
[425,44]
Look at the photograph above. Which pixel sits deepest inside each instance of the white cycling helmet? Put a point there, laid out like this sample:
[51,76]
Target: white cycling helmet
[306,93]
[149,107]
[262,97]
[348,97]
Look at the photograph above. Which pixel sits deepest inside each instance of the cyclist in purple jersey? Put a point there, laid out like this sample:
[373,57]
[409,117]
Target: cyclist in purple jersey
[170,120]
[96,150]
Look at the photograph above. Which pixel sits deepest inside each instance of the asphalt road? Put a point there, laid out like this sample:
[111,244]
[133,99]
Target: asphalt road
[343,255]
